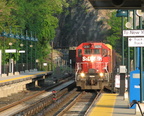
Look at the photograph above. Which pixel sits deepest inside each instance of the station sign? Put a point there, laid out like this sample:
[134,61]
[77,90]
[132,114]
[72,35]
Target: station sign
[136,41]
[117,81]
[133,33]
[10,51]
[22,51]
[44,64]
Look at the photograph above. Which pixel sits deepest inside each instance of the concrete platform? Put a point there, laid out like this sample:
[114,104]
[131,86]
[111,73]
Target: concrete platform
[15,83]
[23,75]
[121,108]
[112,105]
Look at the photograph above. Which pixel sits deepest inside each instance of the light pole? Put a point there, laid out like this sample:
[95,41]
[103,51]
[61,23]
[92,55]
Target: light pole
[36,40]
[122,14]
[17,37]
[128,25]
[31,55]
[31,46]
[10,35]
[27,39]
[52,56]
[4,34]
[21,45]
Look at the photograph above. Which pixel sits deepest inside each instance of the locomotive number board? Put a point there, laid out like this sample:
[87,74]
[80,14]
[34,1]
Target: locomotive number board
[97,46]
[86,46]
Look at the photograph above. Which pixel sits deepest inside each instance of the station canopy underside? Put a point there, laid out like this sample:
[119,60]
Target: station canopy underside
[117,4]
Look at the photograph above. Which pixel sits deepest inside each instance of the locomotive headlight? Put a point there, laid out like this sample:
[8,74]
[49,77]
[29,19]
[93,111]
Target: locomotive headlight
[92,58]
[101,74]
[82,74]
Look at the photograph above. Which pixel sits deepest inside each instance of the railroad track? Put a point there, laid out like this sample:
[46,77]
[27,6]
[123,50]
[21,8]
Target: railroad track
[73,103]
[34,103]
[76,103]
[80,105]
[68,102]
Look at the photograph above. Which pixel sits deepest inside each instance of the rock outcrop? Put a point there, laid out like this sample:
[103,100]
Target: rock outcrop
[80,23]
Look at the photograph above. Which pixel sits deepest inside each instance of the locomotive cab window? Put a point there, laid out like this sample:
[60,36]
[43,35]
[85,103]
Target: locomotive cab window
[87,51]
[79,52]
[96,51]
[104,52]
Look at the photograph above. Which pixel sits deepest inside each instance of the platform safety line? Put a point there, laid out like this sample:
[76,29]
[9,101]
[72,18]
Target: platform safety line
[2,81]
[105,106]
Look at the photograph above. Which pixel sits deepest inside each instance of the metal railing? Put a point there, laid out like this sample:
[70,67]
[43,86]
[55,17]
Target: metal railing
[136,102]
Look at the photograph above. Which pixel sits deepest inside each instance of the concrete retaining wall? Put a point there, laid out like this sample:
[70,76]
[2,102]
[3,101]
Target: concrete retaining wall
[7,90]
[11,87]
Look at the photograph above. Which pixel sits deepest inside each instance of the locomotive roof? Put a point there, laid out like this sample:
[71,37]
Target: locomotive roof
[96,43]
[91,43]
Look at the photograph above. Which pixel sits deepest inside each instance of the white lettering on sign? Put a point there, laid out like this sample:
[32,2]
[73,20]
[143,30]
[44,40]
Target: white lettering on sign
[136,86]
[136,41]
[127,33]
[10,51]
[22,51]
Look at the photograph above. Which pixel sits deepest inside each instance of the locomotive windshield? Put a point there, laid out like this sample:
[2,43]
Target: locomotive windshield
[88,51]
[91,51]
[96,51]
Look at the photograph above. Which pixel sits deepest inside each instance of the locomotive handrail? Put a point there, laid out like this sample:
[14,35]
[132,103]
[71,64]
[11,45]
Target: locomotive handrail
[80,63]
[78,67]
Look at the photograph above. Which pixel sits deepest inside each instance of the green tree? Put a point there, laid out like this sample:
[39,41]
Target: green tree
[37,16]
[41,18]
[115,33]
[6,20]
[114,37]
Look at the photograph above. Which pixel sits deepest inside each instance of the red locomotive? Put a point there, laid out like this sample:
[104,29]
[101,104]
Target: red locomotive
[94,65]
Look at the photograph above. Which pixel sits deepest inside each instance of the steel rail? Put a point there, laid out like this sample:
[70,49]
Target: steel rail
[28,98]
[71,104]
[40,104]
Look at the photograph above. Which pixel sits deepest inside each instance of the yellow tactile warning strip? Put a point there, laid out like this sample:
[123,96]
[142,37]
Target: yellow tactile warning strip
[21,77]
[105,105]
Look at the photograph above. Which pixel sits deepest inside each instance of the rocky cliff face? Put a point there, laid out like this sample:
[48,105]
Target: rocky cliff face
[80,23]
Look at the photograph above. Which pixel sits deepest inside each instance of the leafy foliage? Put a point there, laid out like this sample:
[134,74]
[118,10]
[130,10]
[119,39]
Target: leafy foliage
[38,17]
[115,34]
[114,37]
